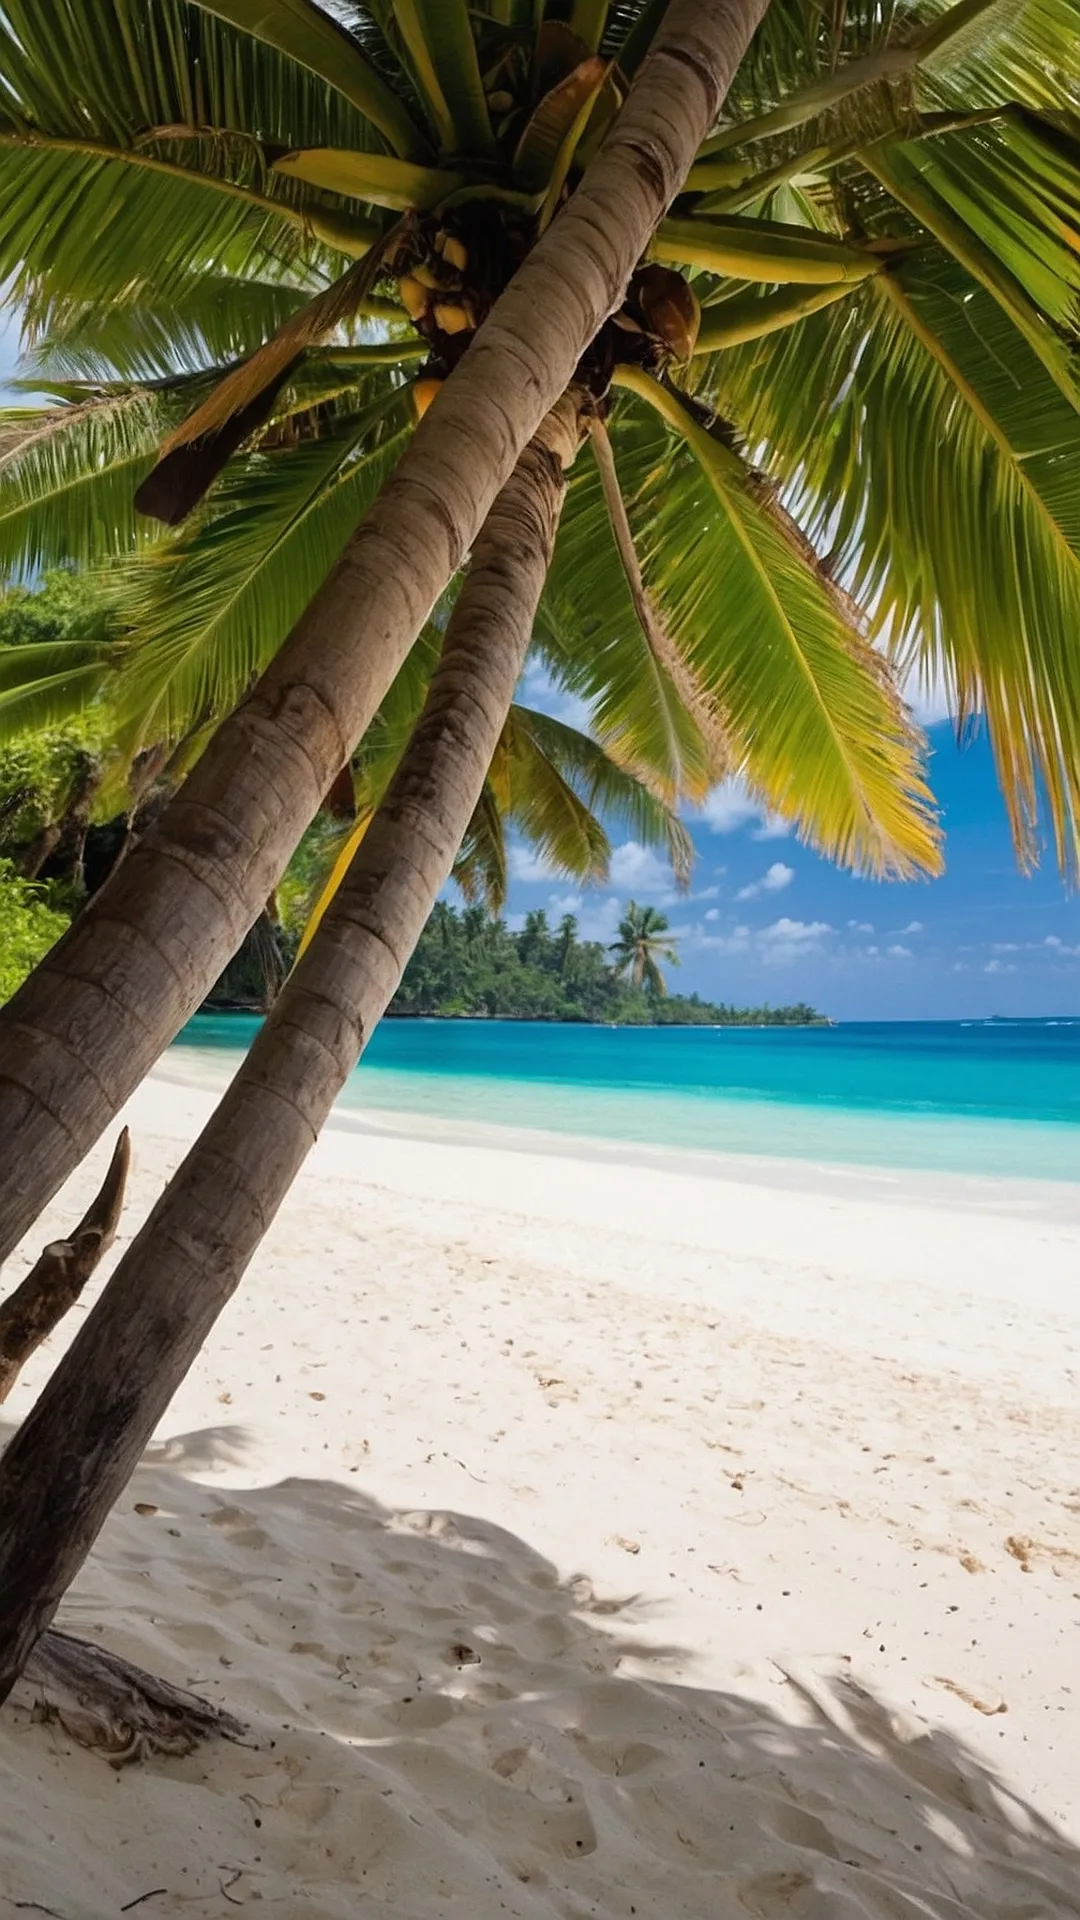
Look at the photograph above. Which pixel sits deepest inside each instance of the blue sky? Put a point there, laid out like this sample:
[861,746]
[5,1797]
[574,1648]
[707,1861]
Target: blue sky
[767,920]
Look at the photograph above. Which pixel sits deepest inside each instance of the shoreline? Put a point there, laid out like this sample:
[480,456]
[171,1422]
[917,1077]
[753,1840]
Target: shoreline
[523,1499]
[1054,1198]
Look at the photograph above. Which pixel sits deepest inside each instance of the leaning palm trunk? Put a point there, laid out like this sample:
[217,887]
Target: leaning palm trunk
[73,1455]
[85,1029]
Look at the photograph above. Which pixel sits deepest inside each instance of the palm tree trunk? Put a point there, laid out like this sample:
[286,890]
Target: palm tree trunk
[81,1034]
[76,1451]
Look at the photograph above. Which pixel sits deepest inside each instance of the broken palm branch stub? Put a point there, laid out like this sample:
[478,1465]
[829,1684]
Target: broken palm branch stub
[107,1703]
[193,456]
[52,1287]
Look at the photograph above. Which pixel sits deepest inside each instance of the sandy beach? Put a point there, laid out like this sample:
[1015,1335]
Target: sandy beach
[591,1535]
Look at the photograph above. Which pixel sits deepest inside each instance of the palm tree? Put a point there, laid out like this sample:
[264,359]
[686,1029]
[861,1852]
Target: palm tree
[644,940]
[103,1411]
[878,223]
[894,273]
[170,139]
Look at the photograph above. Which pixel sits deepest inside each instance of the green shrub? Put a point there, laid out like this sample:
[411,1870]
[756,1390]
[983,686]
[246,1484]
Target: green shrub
[28,928]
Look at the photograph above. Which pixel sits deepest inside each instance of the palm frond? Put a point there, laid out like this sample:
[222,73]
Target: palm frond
[207,321]
[905,180]
[111,70]
[813,718]
[926,446]
[68,476]
[617,794]
[42,685]
[311,37]
[438,39]
[590,638]
[211,609]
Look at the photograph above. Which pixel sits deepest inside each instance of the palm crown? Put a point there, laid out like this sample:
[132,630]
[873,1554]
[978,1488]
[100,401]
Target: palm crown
[251,227]
[644,940]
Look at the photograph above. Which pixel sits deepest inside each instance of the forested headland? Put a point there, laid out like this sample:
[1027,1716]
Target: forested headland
[469,965]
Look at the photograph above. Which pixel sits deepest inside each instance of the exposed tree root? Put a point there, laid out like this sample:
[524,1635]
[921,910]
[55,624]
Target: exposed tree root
[104,1702]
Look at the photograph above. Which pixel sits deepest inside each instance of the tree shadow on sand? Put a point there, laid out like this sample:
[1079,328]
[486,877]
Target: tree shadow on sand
[439,1725]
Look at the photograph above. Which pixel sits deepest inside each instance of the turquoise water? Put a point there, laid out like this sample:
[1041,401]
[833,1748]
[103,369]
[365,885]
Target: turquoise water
[992,1099]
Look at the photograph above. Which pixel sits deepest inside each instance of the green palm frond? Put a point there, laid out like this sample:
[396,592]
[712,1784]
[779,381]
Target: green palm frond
[209,610]
[1020,194]
[208,320]
[44,684]
[810,710]
[437,37]
[617,794]
[109,69]
[68,476]
[1011,50]
[984,257]
[153,163]
[995,508]
[313,39]
[588,634]
[883,235]
[926,445]
[481,870]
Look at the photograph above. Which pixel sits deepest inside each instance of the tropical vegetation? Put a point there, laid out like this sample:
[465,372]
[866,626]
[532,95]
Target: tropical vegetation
[645,940]
[29,925]
[736,367]
[468,964]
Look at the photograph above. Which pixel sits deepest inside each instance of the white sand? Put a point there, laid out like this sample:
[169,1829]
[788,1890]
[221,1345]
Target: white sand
[594,1538]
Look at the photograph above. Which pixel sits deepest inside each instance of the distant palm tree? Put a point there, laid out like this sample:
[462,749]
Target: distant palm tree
[644,940]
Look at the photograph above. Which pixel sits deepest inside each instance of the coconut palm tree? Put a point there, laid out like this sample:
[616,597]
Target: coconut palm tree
[693,551]
[168,131]
[878,298]
[644,940]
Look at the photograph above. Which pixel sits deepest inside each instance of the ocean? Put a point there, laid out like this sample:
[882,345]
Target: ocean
[992,1099]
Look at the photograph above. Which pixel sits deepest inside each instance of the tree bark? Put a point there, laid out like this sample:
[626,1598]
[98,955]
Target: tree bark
[52,1287]
[106,1703]
[79,1445]
[86,1027]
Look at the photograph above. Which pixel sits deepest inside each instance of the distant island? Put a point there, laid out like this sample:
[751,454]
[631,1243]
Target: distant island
[469,966]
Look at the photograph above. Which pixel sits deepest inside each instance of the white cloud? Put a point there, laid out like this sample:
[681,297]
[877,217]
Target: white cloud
[899,953]
[999,966]
[913,926]
[713,913]
[785,929]
[707,893]
[600,921]
[560,903]
[640,871]
[773,827]
[1005,946]
[774,881]
[737,941]
[731,806]
[1051,940]
[786,940]
[873,952]
[860,926]
[524,864]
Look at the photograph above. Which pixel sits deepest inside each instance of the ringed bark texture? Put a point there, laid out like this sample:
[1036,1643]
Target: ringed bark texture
[87,1026]
[78,1447]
